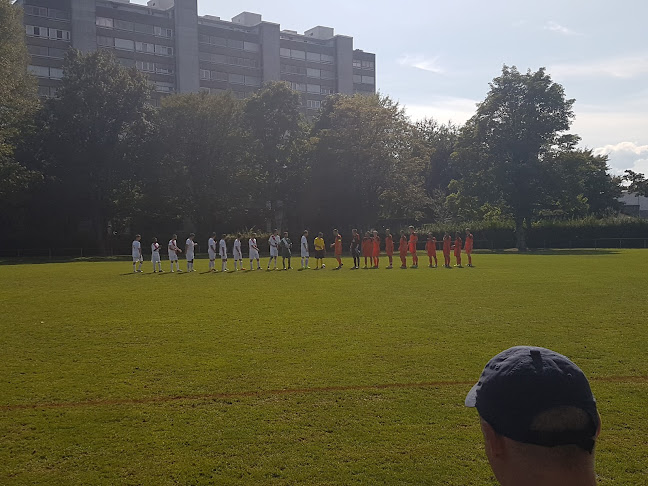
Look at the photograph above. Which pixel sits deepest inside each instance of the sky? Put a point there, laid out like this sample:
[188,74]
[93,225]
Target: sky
[437,57]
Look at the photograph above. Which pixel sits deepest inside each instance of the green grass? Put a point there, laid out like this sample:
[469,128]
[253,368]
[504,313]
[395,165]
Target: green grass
[327,377]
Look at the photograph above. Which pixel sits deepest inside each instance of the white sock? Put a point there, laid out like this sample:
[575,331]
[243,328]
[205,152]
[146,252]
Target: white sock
[306,261]
[302,262]
[251,264]
[224,265]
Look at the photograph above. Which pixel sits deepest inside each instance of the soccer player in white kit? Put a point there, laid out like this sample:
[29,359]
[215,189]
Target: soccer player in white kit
[211,249]
[254,252]
[222,250]
[274,242]
[304,250]
[137,254]
[155,255]
[238,254]
[173,252]
[190,245]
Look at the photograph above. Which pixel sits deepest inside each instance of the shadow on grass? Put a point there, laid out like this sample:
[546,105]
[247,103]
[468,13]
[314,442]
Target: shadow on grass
[572,251]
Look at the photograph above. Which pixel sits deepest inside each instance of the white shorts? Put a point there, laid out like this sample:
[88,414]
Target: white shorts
[155,258]
[304,253]
[274,251]
[212,254]
[173,256]
[254,254]
[238,255]
[137,258]
[190,256]
[224,257]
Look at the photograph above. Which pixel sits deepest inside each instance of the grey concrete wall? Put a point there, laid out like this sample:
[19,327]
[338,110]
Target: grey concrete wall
[84,31]
[344,64]
[186,46]
[269,39]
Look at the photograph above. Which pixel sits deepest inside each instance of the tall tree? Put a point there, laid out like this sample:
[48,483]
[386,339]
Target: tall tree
[367,163]
[272,117]
[637,182]
[204,172]
[100,113]
[18,103]
[502,146]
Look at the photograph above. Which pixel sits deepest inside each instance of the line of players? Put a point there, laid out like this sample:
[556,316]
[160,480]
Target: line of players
[367,247]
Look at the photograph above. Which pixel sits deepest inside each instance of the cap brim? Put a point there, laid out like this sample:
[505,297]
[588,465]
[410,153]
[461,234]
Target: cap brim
[471,398]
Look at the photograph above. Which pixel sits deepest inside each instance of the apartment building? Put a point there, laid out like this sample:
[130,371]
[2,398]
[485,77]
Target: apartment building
[182,52]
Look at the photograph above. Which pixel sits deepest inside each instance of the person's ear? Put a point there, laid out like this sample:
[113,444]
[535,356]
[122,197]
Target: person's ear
[495,444]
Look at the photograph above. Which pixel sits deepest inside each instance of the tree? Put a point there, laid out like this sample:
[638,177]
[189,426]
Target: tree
[18,104]
[637,183]
[367,162]
[89,130]
[204,174]
[502,146]
[277,134]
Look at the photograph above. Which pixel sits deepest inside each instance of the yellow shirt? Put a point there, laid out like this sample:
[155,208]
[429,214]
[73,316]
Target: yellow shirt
[319,243]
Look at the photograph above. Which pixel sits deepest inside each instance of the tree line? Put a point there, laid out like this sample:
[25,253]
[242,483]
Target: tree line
[98,163]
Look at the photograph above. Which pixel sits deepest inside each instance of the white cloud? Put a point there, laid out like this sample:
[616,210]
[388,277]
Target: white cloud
[625,155]
[456,110]
[423,62]
[560,29]
[621,67]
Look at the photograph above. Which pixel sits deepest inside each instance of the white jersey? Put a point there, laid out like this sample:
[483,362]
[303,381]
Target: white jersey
[222,249]
[274,245]
[304,246]
[237,250]
[189,248]
[211,245]
[136,250]
[173,246]
[254,250]
[155,252]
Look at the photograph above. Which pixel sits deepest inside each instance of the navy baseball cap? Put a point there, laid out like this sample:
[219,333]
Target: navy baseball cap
[524,381]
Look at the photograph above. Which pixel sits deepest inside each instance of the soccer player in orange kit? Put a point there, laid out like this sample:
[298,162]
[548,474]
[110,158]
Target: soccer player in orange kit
[413,240]
[447,242]
[367,248]
[457,249]
[402,249]
[389,247]
[375,249]
[468,246]
[430,247]
[337,245]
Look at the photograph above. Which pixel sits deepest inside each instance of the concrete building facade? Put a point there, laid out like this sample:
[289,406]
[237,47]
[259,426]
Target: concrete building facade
[182,52]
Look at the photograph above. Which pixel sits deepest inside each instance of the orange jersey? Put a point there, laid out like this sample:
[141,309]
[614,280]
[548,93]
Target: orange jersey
[338,245]
[376,245]
[430,247]
[402,247]
[457,250]
[389,245]
[447,242]
[469,243]
[413,240]
[367,247]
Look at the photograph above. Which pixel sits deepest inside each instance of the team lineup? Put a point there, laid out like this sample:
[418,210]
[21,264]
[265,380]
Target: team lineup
[368,247]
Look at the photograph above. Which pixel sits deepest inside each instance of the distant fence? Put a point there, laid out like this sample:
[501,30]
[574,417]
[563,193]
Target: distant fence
[67,253]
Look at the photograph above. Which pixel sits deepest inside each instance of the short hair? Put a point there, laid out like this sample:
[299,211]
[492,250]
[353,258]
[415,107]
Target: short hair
[192,234]
[138,236]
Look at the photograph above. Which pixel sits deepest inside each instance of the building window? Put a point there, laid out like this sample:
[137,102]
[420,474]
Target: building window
[105,41]
[251,46]
[161,69]
[53,34]
[313,88]
[163,87]
[252,81]
[219,76]
[327,91]
[145,66]
[163,32]
[58,34]
[163,50]
[283,52]
[328,59]
[357,63]
[38,51]
[145,47]
[104,22]
[295,54]
[313,104]
[57,53]
[313,56]
[123,25]
[129,63]
[368,80]
[51,13]
[312,73]
[44,91]
[144,28]
[236,78]
[357,78]
[125,44]
[36,11]
[235,44]
[204,74]
[36,31]
[298,86]
[368,64]
[40,71]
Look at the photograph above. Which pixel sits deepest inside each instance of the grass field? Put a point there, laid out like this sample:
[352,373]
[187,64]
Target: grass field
[314,377]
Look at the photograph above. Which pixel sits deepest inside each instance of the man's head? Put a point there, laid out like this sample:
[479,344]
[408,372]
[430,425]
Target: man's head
[538,416]
[285,234]
[192,236]
[275,232]
[411,229]
[138,237]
